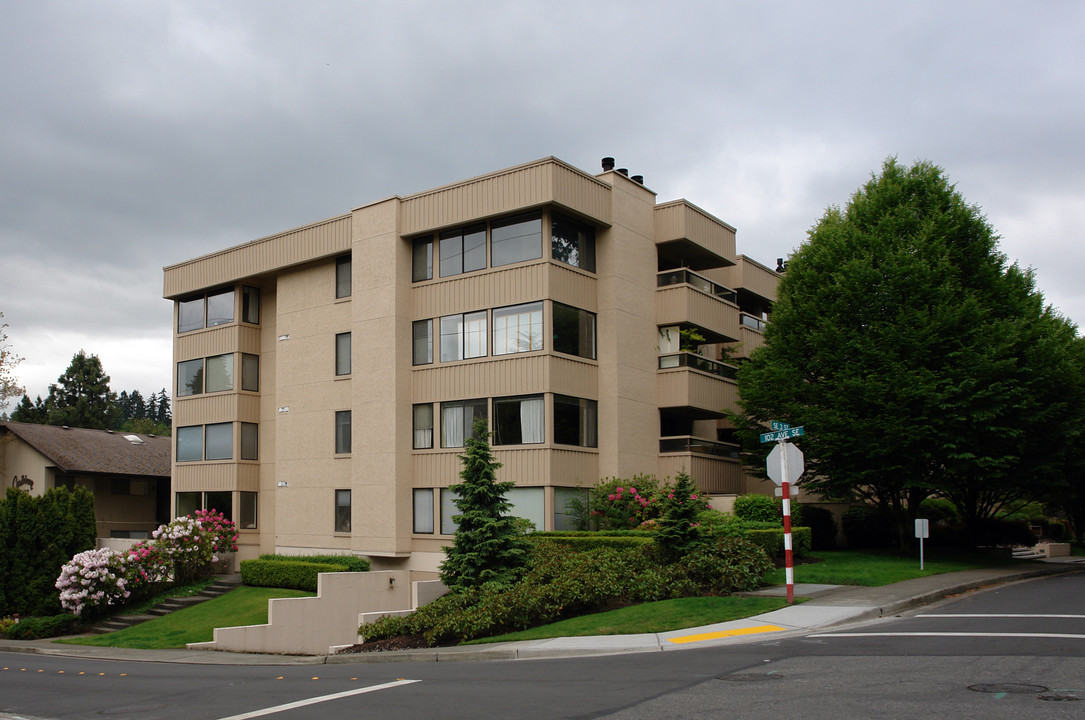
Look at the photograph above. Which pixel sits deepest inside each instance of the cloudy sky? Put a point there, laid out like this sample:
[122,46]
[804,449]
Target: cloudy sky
[135,135]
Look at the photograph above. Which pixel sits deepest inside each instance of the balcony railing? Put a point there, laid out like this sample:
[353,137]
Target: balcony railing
[683,276]
[688,443]
[750,321]
[697,362]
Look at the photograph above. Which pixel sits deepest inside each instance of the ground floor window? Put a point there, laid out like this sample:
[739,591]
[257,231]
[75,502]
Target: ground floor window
[187,503]
[246,516]
[527,503]
[569,503]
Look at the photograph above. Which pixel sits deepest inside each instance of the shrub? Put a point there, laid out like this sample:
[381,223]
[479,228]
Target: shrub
[92,581]
[353,563]
[940,512]
[590,540]
[771,541]
[994,532]
[727,565]
[678,529]
[759,508]
[822,526]
[188,546]
[866,527]
[285,574]
[34,628]
[618,504]
[223,531]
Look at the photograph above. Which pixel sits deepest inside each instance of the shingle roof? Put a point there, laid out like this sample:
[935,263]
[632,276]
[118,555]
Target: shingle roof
[81,450]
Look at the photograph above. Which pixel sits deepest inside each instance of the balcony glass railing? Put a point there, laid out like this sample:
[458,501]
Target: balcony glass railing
[750,321]
[697,362]
[682,276]
[688,443]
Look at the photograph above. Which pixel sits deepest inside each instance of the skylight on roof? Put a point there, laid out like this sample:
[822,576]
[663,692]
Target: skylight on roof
[134,439]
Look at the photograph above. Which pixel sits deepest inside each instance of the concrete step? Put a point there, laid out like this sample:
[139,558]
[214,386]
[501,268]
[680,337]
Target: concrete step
[165,607]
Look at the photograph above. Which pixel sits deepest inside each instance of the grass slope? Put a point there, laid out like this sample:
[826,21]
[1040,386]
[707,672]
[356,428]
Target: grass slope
[243,606]
[883,567]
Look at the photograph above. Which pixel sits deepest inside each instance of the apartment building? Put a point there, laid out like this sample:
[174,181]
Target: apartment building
[326,376]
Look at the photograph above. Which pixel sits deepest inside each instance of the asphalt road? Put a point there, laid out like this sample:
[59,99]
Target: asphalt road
[1012,651]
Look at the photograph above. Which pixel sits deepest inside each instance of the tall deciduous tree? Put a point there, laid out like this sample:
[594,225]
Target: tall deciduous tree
[9,388]
[488,546]
[913,354]
[81,396]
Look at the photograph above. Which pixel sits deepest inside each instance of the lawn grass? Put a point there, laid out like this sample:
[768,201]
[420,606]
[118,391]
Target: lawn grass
[243,606]
[883,567]
[653,617]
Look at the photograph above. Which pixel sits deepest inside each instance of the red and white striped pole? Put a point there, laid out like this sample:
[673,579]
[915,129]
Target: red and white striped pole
[789,562]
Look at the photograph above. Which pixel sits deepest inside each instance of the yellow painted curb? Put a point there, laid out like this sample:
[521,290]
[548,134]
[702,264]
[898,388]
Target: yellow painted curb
[726,633]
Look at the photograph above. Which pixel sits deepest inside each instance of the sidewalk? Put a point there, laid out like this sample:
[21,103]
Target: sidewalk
[828,605]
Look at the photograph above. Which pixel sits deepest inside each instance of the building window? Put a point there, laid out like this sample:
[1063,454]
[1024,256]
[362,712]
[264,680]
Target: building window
[342,276]
[190,315]
[458,420]
[189,443]
[250,438]
[449,512]
[223,501]
[423,511]
[218,442]
[518,420]
[250,372]
[515,240]
[572,242]
[188,503]
[190,377]
[575,421]
[574,331]
[422,259]
[342,511]
[528,503]
[342,354]
[463,336]
[342,432]
[423,426]
[220,373]
[250,305]
[246,516]
[518,329]
[220,308]
[463,250]
[566,500]
[422,331]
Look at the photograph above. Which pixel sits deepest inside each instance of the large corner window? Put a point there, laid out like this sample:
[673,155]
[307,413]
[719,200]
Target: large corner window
[422,259]
[190,315]
[218,441]
[574,331]
[423,426]
[220,308]
[342,432]
[213,374]
[518,420]
[518,329]
[342,276]
[576,421]
[422,334]
[220,373]
[516,240]
[342,511]
[463,250]
[463,336]
[572,242]
[209,310]
[342,354]
[458,420]
[190,377]
[187,503]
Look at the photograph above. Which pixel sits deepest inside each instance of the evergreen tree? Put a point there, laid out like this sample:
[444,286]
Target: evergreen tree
[81,396]
[906,346]
[28,412]
[678,530]
[487,547]
[9,388]
[124,409]
[137,408]
[164,415]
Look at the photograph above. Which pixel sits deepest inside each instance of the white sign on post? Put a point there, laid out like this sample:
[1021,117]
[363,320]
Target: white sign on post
[776,463]
[922,530]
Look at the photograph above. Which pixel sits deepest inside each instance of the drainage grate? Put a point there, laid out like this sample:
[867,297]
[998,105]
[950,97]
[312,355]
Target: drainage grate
[753,677]
[1008,688]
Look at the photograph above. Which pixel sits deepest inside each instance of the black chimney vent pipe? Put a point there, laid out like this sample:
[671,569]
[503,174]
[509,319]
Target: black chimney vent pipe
[624,171]
[608,164]
[639,179]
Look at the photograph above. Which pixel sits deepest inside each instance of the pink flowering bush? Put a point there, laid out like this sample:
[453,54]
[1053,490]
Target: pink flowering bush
[636,503]
[187,545]
[147,568]
[223,531]
[93,580]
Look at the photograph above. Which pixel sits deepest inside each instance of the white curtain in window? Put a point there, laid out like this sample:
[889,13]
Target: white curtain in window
[474,332]
[531,420]
[452,426]
[588,410]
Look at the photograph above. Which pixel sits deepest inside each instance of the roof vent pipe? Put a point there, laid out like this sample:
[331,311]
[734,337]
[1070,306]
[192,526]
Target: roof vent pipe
[608,164]
[639,179]
[624,171]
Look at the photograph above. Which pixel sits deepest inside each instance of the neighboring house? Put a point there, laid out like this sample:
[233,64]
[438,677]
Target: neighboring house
[326,376]
[128,474]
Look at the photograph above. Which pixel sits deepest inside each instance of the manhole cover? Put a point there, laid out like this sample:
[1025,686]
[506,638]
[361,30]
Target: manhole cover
[752,677]
[1008,688]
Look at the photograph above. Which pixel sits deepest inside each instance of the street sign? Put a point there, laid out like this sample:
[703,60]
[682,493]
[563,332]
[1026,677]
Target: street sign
[794,463]
[782,434]
[777,425]
[922,530]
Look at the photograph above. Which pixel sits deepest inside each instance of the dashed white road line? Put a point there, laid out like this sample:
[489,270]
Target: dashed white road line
[320,699]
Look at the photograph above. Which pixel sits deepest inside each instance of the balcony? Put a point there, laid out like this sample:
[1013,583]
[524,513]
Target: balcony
[714,466]
[685,298]
[750,276]
[700,386]
[687,236]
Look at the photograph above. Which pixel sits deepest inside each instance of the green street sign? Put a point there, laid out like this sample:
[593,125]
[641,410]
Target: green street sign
[777,425]
[782,434]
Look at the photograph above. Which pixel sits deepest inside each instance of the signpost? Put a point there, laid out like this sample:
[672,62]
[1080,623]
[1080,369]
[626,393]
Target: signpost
[785,466]
[922,530]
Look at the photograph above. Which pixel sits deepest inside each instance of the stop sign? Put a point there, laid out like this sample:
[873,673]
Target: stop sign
[785,455]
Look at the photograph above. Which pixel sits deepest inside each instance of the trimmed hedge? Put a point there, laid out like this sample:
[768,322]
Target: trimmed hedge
[353,563]
[771,540]
[35,628]
[589,541]
[285,574]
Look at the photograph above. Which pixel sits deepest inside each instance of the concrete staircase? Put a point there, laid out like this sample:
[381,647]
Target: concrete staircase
[1027,553]
[222,585]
